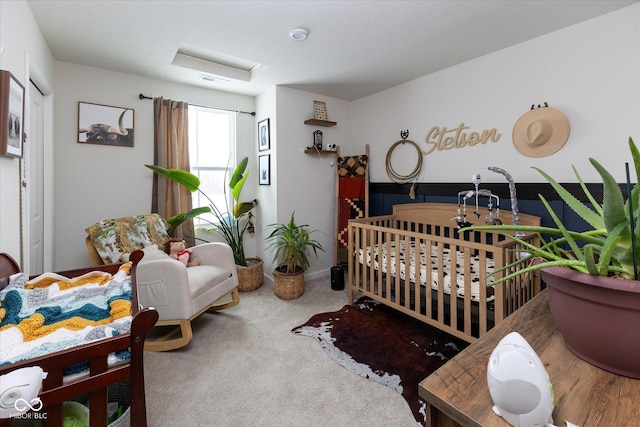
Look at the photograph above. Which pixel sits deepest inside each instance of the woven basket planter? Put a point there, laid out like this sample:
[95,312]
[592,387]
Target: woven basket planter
[250,277]
[288,285]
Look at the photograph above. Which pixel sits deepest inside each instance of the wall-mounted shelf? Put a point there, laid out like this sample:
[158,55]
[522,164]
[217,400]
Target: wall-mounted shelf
[314,151]
[317,122]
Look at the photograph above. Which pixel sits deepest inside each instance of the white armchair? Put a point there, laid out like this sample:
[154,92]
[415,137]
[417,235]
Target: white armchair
[178,293]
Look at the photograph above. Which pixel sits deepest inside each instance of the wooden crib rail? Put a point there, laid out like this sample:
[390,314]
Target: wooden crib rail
[380,279]
[442,214]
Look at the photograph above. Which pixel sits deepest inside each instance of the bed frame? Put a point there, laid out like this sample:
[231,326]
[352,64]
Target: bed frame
[55,392]
[431,224]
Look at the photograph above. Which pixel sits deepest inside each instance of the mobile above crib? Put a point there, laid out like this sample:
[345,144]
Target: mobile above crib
[492,217]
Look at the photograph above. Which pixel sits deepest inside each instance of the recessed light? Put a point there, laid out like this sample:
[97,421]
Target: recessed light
[298,34]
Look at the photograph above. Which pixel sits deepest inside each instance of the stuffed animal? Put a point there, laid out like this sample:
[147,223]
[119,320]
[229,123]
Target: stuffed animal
[177,249]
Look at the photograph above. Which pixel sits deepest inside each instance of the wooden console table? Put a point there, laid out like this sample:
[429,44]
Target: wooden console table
[457,393]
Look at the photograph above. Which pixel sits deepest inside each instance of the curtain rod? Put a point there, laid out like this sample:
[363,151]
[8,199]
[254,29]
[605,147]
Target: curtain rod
[253,113]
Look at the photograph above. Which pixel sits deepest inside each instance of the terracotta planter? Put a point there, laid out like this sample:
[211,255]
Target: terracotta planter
[288,285]
[250,277]
[599,318]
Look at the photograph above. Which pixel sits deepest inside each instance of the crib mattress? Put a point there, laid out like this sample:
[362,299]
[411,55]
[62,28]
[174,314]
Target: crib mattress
[398,258]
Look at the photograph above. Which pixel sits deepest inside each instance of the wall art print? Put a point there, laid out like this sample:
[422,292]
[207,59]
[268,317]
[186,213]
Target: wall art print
[264,137]
[264,169]
[11,115]
[104,124]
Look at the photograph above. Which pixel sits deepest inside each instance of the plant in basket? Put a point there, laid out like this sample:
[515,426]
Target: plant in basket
[592,276]
[291,243]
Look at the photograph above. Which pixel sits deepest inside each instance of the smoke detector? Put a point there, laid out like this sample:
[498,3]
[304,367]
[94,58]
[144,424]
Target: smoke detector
[298,34]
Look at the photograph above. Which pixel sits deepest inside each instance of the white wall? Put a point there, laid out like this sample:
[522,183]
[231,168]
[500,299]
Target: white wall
[23,49]
[590,72]
[94,182]
[267,210]
[306,182]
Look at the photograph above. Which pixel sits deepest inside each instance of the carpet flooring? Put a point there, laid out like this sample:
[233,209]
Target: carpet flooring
[245,368]
[384,346]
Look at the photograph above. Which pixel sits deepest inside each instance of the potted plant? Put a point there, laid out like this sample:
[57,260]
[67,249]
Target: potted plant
[292,244]
[230,225]
[592,276]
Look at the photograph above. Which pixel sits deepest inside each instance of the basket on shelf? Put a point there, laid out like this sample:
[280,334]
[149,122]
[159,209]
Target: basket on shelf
[117,394]
[120,394]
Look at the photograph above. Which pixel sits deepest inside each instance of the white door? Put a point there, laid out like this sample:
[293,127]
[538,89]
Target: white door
[35,147]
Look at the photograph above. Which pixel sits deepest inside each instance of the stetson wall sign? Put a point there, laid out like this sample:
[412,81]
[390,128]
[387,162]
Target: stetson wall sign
[442,138]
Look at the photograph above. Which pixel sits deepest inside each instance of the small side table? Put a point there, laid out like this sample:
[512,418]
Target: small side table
[457,393]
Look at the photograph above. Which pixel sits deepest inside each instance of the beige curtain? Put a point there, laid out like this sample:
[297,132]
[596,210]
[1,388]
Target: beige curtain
[171,151]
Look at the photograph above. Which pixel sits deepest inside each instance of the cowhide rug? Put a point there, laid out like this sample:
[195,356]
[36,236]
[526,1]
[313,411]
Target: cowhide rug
[383,345]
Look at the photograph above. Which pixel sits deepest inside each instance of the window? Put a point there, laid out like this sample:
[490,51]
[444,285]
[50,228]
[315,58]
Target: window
[212,137]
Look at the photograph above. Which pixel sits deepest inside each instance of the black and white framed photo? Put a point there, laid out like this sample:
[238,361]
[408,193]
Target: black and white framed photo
[104,124]
[264,138]
[11,115]
[264,169]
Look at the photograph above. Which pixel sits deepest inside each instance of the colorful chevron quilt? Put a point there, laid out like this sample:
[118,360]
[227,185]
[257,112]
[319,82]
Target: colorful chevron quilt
[52,312]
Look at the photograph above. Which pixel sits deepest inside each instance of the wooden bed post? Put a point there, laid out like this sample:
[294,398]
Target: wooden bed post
[146,319]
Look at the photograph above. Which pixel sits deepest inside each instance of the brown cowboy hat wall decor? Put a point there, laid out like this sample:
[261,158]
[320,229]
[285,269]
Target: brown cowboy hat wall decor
[540,132]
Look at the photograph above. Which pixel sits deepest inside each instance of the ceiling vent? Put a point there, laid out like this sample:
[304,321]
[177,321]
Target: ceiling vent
[224,66]
[211,79]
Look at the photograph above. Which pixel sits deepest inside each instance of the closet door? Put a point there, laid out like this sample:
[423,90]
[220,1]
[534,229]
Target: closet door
[35,171]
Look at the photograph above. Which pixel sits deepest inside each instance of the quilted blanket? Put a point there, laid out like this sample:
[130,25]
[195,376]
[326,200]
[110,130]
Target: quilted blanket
[398,258]
[52,312]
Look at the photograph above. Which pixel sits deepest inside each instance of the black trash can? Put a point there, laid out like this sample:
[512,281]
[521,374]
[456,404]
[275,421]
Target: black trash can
[337,277]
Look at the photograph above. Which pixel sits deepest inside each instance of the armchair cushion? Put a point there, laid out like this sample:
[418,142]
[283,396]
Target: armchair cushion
[115,239]
[202,277]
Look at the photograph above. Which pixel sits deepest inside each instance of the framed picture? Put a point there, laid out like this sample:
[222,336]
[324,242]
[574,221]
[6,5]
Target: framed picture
[264,138]
[106,125]
[11,115]
[264,169]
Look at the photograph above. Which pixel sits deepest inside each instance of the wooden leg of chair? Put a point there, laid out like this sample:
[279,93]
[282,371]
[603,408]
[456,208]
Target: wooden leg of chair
[235,299]
[164,343]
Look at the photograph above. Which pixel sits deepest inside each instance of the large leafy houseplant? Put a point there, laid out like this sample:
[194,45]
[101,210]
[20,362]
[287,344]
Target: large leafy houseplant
[230,225]
[610,248]
[292,244]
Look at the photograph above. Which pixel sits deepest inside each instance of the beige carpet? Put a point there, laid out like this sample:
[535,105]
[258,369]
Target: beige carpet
[244,367]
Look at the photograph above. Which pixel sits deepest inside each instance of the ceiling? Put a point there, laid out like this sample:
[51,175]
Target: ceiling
[354,48]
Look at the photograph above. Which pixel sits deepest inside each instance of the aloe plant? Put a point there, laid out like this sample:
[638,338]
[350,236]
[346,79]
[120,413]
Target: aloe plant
[230,227]
[610,248]
[292,242]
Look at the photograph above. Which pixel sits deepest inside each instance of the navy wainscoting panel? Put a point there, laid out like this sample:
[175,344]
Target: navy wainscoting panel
[384,195]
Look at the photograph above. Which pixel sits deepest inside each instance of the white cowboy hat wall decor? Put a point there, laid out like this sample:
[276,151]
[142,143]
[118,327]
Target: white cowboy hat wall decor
[540,132]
